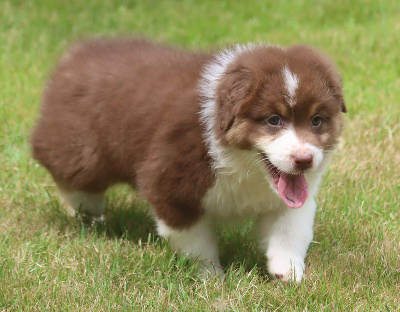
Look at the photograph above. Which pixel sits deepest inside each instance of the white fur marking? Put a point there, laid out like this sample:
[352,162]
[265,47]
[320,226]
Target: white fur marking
[92,204]
[280,151]
[285,238]
[240,188]
[211,76]
[291,84]
[197,243]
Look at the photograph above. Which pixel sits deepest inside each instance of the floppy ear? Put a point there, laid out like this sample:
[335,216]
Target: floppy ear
[337,89]
[336,85]
[326,67]
[233,91]
[338,93]
[344,108]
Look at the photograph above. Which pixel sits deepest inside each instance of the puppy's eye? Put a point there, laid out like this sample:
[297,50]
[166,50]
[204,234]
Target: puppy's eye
[316,121]
[275,121]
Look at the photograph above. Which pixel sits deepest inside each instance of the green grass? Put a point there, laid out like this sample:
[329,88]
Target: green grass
[49,261]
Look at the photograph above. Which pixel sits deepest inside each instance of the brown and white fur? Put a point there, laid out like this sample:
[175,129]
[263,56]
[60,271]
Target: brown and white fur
[204,137]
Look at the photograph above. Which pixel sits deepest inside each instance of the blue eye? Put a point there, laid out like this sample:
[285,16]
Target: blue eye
[316,121]
[275,121]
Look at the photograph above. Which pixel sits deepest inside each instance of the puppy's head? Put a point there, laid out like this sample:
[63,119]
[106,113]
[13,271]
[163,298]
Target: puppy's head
[286,105]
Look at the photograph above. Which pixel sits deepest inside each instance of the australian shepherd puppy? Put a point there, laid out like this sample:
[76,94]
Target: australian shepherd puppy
[204,137]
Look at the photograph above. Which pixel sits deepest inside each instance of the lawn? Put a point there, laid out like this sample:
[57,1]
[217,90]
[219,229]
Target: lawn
[52,262]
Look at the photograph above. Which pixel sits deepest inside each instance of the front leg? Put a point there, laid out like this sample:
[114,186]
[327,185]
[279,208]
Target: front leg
[285,238]
[196,242]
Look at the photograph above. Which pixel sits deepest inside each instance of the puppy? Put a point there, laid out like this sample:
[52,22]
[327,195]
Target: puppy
[204,137]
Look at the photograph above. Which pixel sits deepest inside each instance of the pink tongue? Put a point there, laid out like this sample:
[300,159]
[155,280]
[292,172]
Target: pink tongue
[293,189]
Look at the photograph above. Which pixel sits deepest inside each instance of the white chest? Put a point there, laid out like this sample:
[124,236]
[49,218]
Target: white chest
[247,192]
[234,195]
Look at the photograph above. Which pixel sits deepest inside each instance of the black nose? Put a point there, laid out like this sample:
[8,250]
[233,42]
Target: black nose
[303,161]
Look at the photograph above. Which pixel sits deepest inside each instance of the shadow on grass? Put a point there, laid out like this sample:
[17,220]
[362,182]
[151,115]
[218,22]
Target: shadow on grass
[131,221]
[239,249]
[127,216]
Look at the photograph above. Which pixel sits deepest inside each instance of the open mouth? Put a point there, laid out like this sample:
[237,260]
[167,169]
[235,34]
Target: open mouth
[293,189]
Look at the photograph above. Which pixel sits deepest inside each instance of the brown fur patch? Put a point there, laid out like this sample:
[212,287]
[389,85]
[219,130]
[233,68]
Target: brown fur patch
[127,110]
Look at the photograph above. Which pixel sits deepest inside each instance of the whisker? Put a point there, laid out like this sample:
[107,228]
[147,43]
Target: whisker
[257,161]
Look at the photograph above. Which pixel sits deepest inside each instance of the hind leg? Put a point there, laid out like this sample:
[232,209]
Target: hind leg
[91,204]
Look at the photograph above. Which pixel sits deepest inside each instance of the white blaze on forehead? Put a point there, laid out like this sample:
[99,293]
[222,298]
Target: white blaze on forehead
[291,84]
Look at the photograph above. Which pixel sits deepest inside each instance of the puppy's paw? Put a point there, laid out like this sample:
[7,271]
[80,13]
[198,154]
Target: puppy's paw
[286,268]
